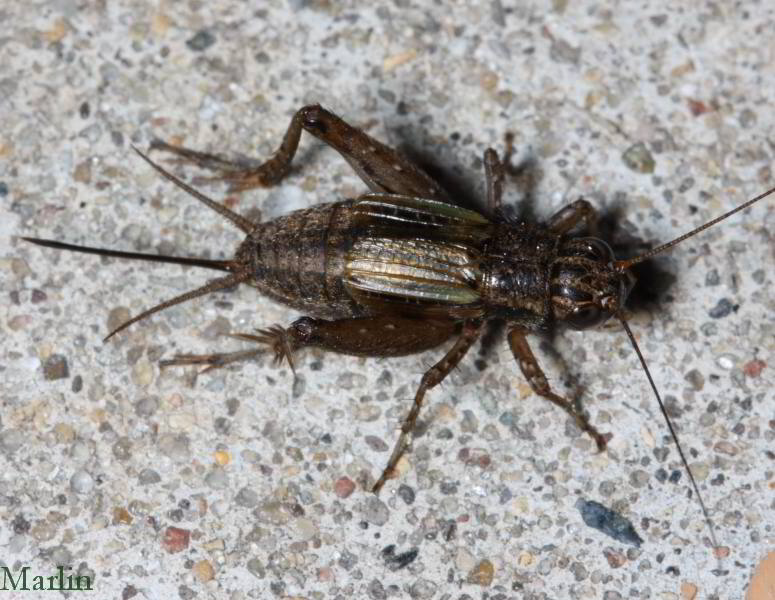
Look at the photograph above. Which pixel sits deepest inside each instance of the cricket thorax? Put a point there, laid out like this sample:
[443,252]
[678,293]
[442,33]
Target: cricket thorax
[515,276]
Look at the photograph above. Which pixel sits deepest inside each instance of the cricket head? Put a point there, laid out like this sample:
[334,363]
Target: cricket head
[586,287]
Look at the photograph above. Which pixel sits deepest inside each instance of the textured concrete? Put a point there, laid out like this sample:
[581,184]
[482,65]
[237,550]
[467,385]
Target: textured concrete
[243,484]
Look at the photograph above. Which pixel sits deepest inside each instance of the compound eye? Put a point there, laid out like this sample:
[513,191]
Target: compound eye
[599,250]
[584,317]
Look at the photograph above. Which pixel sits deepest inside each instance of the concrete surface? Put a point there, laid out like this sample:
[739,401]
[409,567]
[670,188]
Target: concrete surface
[660,111]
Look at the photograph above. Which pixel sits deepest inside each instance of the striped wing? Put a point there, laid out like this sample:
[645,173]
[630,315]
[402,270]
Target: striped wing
[416,255]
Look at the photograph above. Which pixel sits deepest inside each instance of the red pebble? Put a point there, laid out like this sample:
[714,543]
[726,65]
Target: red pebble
[754,368]
[344,486]
[176,539]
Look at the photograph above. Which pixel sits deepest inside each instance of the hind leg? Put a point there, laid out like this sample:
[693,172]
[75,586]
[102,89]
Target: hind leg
[360,336]
[380,167]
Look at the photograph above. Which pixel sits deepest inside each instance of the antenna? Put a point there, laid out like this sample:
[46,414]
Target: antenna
[623,265]
[672,430]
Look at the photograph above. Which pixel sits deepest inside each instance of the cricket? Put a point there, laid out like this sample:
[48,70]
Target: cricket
[402,269]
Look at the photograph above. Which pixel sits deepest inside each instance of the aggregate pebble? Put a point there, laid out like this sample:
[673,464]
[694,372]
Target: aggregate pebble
[344,487]
[638,158]
[482,574]
[201,41]
[11,440]
[148,477]
[607,521]
[374,511]
[203,570]
[55,367]
[81,482]
[246,497]
[175,539]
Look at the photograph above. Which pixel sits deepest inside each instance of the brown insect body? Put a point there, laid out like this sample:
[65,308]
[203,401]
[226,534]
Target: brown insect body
[348,259]
[401,269]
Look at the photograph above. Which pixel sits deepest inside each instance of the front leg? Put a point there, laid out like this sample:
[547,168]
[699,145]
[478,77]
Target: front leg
[535,377]
[380,167]
[494,175]
[571,215]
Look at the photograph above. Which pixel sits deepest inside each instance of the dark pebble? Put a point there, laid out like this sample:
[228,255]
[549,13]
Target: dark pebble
[448,487]
[398,561]
[186,593]
[201,41]
[375,443]
[722,309]
[19,524]
[610,523]
[128,592]
[406,494]
[3,188]
[712,278]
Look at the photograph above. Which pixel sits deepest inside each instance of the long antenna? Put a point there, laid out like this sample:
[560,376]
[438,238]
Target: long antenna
[671,428]
[622,265]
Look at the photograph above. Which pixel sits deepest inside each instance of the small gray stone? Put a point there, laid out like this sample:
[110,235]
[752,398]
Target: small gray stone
[722,309]
[148,477]
[81,482]
[406,494]
[639,478]
[376,590]
[122,448]
[146,406]
[61,556]
[422,588]
[11,440]
[375,511]
[256,568]
[217,478]
[712,278]
[246,497]
[376,443]
[562,51]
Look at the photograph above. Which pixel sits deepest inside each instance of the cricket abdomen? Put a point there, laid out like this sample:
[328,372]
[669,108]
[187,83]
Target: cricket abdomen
[298,260]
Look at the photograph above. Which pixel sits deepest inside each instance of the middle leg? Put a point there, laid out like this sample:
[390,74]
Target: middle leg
[432,377]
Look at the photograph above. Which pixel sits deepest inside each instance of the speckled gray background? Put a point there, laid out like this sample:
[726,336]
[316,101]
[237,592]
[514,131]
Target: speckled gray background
[101,453]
